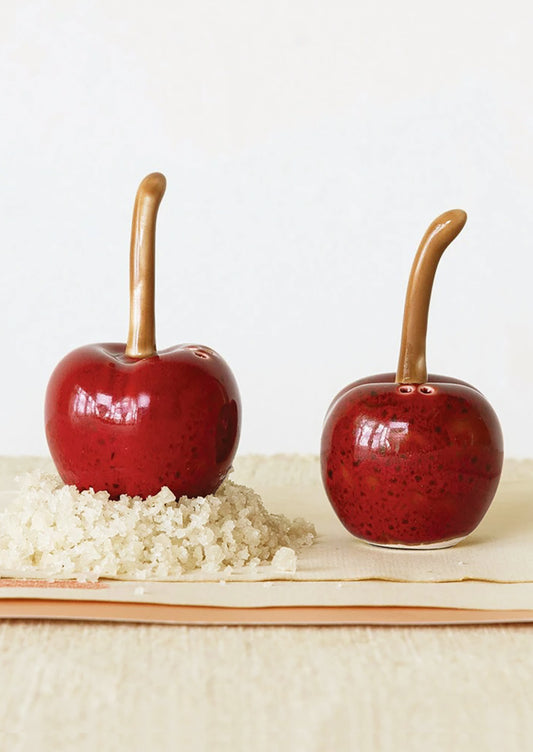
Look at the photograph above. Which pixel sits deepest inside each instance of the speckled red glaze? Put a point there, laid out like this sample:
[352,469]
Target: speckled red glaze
[134,425]
[411,464]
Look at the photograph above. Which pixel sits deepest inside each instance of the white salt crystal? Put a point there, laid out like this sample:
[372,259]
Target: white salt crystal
[285,560]
[52,529]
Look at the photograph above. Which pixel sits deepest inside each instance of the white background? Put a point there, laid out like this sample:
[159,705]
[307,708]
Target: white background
[306,145]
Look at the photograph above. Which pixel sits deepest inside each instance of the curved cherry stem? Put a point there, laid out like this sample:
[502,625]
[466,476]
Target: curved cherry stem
[412,367]
[141,336]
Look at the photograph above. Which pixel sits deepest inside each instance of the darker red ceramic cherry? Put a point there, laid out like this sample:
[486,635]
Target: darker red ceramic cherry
[129,419]
[411,459]
[411,464]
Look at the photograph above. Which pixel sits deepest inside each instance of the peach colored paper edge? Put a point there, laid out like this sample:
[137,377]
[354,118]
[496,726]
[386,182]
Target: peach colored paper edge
[211,616]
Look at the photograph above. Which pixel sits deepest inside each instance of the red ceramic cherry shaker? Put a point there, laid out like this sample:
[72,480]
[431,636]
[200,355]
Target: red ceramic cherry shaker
[126,418]
[411,460]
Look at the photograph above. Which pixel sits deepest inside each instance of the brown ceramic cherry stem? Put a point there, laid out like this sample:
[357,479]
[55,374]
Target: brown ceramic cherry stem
[412,367]
[141,336]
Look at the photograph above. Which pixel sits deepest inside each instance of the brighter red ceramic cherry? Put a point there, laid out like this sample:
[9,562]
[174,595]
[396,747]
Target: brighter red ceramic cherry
[129,419]
[411,460]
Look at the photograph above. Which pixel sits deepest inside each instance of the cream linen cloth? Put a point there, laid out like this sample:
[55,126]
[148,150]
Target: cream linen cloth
[128,688]
[500,550]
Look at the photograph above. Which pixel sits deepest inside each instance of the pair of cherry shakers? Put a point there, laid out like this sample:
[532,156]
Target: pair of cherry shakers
[409,460]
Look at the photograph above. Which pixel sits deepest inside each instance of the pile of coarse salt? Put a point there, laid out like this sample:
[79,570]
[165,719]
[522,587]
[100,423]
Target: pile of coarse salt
[55,530]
